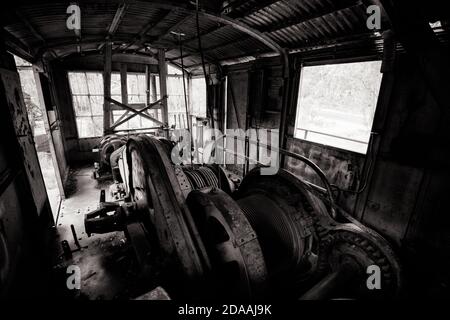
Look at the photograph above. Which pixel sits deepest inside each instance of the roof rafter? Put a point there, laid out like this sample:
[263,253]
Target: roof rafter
[172,28]
[299,20]
[140,37]
[117,19]
[29,26]
[120,13]
[251,9]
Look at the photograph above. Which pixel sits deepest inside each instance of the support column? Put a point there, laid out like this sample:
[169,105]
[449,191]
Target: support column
[124,83]
[154,91]
[163,84]
[154,95]
[147,84]
[107,87]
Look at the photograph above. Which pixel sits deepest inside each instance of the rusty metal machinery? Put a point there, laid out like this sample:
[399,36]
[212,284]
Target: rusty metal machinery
[107,146]
[328,257]
[274,237]
[237,262]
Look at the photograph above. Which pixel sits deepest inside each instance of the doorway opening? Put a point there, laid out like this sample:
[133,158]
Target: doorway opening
[42,137]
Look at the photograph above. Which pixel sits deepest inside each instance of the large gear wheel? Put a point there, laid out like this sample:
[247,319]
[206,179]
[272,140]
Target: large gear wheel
[365,249]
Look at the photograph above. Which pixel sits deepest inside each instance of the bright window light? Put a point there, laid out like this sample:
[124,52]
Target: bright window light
[336,104]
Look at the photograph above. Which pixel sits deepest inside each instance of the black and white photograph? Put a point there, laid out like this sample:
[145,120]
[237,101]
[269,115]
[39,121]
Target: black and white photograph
[224,155]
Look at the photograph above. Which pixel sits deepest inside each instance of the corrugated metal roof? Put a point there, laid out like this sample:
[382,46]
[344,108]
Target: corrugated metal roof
[298,26]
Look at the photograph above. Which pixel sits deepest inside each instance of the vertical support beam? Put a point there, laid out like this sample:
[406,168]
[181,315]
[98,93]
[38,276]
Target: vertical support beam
[163,84]
[148,88]
[123,83]
[154,94]
[147,84]
[123,88]
[107,87]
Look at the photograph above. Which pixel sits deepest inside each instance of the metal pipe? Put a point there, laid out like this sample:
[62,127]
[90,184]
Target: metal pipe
[307,161]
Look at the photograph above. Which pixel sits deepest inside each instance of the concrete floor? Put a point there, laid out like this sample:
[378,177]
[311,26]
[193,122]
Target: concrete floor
[107,263]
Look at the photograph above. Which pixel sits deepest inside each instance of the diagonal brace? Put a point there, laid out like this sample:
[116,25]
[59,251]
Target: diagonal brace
[136,113]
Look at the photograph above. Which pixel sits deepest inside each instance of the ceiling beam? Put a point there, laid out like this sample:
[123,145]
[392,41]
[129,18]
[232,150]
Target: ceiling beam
[17,46]
[302,19]
[211,48]
[167,6]
[284,24]
[65,42]
[339,42]
[140,37]
[117,19]
[190,52]
[204,34]
[261,4]
[29,26]
[263,38]
[172,28]
[120,13]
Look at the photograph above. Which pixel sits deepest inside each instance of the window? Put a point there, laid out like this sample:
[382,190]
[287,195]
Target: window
[176,102]
[137,98]
[336,104]
[198,100]
[87,97]
[171,70]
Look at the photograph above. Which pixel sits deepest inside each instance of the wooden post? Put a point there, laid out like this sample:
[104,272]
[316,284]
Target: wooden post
[107,87]
[153,87]
[147,84]
[150,85]
[123,83]
[163,84]
[154,94]
[123,86]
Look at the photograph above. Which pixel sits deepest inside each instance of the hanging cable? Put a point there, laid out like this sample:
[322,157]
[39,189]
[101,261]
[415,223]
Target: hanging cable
[200,49]
[188,116]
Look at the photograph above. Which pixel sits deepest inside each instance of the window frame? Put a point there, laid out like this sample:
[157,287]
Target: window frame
[297,102]
[92,116]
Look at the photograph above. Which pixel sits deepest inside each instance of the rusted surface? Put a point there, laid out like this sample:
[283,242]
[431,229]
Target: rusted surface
[18,113]
[341,168]
[108,266]
[155,189]
[231,242]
